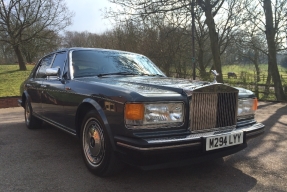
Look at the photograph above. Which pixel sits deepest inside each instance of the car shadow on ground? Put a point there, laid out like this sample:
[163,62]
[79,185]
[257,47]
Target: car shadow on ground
[267,104]
[263,152]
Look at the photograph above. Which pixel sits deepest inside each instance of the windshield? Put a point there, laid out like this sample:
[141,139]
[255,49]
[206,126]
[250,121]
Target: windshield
[102,63]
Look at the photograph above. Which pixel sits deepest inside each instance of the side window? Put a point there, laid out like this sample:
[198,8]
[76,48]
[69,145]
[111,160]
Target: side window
[59,61]
[45,63]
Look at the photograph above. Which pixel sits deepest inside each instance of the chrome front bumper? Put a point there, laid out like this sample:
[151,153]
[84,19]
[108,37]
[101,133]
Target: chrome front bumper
[192,140]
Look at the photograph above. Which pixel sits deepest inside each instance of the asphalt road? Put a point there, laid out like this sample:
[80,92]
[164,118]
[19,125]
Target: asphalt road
[48,159]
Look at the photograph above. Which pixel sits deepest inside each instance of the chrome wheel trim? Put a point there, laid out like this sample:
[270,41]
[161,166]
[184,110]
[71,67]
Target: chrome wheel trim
[27,114]
[93,142]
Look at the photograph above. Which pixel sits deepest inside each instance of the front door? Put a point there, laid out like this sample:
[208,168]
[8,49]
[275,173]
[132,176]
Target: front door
[53,92]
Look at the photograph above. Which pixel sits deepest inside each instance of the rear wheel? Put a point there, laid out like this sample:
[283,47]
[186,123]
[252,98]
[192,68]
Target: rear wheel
[96,147]
[31,121]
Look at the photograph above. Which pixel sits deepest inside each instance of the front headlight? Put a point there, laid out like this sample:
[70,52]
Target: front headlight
[148,114]
[247,106]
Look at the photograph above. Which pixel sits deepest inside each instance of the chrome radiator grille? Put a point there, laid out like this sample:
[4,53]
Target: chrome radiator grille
[213,110]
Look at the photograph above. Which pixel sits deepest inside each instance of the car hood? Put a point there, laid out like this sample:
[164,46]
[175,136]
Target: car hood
[153,85]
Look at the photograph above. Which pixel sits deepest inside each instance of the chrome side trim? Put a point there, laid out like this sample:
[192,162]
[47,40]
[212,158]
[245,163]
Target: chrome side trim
[63,128]
[86,95]
[157,148]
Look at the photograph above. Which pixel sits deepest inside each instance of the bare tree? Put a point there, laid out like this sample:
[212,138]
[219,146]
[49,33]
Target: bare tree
[7,54]
[35,48]
[23,20]
[228,11]
[171,19]
[251,44]
[272,25]
[220,34]
[269,17]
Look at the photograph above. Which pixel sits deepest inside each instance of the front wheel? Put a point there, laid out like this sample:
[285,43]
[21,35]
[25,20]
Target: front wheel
[96,147]
[31,121]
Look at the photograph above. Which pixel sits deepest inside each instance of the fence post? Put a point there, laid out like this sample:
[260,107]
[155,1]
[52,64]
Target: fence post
[256,90]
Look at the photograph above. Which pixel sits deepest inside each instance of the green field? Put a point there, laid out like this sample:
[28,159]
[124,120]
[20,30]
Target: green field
[246,78]
[250,68]
[250,73]
[11,78]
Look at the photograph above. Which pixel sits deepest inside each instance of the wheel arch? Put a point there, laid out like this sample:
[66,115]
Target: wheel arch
[87,105]
[24,98]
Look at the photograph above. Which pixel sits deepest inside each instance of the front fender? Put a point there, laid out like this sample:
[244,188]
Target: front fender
[103,117]
[24,98]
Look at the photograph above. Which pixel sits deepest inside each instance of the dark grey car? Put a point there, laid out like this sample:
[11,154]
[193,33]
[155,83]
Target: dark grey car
[125,110]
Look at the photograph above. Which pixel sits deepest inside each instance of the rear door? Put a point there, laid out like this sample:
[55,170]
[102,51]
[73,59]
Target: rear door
[34,85]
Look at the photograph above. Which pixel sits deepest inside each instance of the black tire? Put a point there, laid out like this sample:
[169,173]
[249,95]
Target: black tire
[96,147]
[31,121]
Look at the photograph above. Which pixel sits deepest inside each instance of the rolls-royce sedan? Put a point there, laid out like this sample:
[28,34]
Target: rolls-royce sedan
[125,110]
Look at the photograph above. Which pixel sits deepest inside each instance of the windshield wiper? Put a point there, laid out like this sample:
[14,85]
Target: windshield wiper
[117,73]
[85,75]
[152,74]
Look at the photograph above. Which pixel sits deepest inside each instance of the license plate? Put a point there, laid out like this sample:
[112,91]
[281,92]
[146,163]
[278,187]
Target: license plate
[226,140]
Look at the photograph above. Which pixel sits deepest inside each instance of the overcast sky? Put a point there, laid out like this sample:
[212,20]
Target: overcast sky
[88,16]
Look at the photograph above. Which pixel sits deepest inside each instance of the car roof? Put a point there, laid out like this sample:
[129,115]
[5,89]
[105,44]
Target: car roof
[87,48]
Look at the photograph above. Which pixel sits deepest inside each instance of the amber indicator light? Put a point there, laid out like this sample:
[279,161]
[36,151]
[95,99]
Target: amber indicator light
[134,111]
[255,104]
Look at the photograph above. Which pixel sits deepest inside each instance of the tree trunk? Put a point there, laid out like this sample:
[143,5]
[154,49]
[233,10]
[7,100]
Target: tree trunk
[257,72]
[268,82]
[28,56]
[202,70]
[272,60]
[213,35]
[19,55]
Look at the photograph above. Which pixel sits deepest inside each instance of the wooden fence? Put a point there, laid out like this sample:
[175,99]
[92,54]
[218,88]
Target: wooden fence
[262,91]
[248,77]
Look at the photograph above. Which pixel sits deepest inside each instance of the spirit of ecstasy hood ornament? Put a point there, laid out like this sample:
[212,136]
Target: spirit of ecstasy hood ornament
[214,72]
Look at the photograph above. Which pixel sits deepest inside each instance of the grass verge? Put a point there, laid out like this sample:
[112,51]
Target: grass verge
[11,78]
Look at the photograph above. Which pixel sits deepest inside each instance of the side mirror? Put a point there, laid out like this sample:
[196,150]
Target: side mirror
[54,72]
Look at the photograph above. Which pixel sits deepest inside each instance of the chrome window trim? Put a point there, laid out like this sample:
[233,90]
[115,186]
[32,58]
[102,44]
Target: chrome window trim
[71,69]
[61,70]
